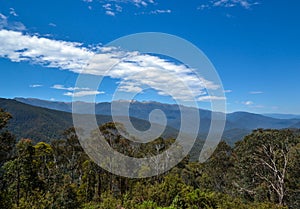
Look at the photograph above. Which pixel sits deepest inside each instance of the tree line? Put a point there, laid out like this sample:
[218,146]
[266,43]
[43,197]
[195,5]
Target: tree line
[260,171]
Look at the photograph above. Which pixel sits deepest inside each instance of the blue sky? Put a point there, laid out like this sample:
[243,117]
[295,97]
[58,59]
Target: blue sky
[254,46]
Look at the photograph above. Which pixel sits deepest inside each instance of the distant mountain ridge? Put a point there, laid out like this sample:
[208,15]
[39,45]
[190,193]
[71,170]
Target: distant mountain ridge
[238,124]
[282,116]
[42,124]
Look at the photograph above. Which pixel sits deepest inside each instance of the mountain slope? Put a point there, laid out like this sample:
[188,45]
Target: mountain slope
[282,116]
[41,124]
[235,121]
[36,123]
[245,120]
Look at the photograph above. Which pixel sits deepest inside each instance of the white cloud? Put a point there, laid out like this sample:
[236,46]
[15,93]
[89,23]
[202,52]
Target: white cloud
[256,92]
[3,21]
[50,53]
[52,99]
[13,12]
[160,11]
[137,3]
[130,87]
[83,93]
[210,98]
[229,15]
[140,70]
[108,10]
[203,7]
[106,49]
[52,24]
[2,16]
[16,26]
[61,87]
[11,25]
[112,7]
[118,8]
[35,85]
[227,91]
[75,91]
[110,13]
[248,103]
[246,4]
[136,71]
[107,6]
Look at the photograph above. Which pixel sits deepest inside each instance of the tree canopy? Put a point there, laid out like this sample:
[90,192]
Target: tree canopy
[260,171]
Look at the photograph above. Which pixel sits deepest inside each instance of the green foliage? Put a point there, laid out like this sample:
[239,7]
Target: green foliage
[21,173]
[7,140]
[60,175]
[261,165]
[87,189]
[7,144]
[214,175]
[293,184]
[108,202]
[67,198]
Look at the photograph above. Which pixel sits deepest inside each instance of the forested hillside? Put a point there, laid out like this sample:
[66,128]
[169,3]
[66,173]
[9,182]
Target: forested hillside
[238,124]
[41,124]
[261,171]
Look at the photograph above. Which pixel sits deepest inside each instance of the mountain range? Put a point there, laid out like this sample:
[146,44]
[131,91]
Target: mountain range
[282,116]
[238,124]
[44,124]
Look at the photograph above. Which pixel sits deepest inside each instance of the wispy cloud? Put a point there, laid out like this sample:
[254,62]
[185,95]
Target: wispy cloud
[61,87]
[210,98]
[161,11]
[2,16]
[35,85]
[118,8]
[228,91]
[130,87]
[113,7]
[134,70]
[76,92]
[83,93]
[110,13]
[108,9]
[203,7]
[17,26]
[137,3]
[5,23]
[256,92]
[246,4]
[248,103]
[52,24]
[252,105]
[13,12]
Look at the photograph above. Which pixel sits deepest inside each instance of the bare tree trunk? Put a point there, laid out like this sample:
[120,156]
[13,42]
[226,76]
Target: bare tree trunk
[18,185]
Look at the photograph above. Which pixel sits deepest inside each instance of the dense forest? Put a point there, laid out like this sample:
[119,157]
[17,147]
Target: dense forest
[260,171]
